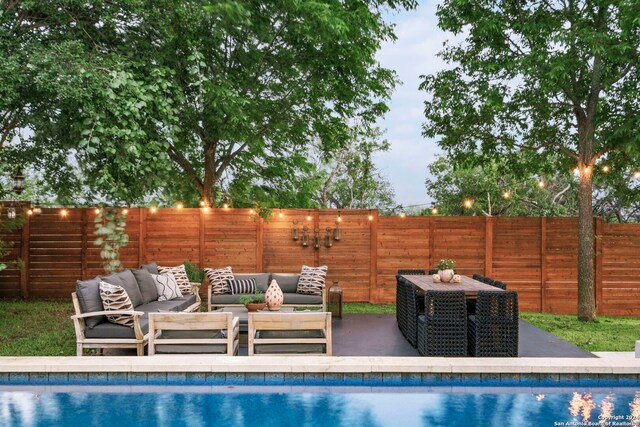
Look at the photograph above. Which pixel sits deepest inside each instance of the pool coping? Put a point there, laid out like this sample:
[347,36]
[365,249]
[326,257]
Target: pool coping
[615,364]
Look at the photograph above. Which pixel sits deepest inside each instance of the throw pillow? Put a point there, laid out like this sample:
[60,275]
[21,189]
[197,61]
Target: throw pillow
[166,286]
[242,286]
[115,298]
[180,274]
[218,278]
[311,280]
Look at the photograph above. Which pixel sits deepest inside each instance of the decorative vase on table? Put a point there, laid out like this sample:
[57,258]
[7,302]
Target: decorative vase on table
[274,296]
[446,275]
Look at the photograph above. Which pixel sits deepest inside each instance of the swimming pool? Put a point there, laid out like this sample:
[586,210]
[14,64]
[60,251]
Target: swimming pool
[318,406]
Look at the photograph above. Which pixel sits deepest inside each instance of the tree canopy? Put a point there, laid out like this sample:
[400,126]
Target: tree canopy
[550,77]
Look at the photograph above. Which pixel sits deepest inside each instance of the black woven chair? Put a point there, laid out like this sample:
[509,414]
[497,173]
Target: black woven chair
[433,272]
[493,330]
[488,281]
[500,285]
[411,272]
[414,307]
[478,277]
[442,329]
[402,294]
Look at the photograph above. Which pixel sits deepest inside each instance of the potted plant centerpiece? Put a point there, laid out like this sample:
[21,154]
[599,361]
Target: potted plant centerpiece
[445,270]
[253,302]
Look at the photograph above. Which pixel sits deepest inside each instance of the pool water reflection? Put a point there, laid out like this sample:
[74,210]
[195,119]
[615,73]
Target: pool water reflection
[348,406]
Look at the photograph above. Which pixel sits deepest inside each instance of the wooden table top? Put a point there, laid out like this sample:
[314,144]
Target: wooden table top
[468,285]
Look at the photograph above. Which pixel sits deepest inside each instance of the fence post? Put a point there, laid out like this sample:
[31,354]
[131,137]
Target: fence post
[83,249]
[599,235]
[259,243]
[25,255]
[488,246]
[432,244]
[142,240]
[373,266]
[201,242]
[316,226]
[543,263]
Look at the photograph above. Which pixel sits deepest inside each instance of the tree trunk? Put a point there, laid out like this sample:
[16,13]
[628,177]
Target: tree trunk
[208,193]
[586,252]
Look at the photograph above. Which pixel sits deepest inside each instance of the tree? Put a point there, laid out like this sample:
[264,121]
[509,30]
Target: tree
[551,77]
[494,190]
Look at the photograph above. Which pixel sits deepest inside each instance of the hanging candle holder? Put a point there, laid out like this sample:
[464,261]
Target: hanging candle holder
[328,241]
[295,232]
[316,238]
[337,232]
[305,236]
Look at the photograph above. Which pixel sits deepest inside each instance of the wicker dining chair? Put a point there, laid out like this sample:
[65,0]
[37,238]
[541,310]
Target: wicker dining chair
[493,330]
[442,329]
[478,277]
[501,285]
[488,281]
[403,293]
[433,271]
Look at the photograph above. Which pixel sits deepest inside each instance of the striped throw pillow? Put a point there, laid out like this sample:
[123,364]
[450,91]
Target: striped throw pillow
[218,278]
[166,286]
[311,280]
[115,298]
[242,286]
[180,274]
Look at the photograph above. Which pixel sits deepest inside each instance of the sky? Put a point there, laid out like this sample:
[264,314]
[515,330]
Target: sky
[413,54]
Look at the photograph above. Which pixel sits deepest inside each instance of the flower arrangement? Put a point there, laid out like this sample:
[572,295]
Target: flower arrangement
[446,264]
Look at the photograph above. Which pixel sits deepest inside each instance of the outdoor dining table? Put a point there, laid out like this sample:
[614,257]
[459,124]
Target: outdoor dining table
[467,284]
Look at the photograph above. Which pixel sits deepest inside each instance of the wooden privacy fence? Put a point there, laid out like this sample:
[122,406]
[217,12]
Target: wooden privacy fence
[535,256]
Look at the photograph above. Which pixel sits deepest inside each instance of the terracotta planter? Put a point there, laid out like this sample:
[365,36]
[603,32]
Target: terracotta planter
[255,306]
[274,296]
[446,275]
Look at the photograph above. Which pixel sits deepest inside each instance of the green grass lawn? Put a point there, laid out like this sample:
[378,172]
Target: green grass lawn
[43,328]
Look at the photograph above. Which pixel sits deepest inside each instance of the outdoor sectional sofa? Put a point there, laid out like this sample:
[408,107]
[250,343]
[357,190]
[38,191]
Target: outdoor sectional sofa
[288,284]
[93,330]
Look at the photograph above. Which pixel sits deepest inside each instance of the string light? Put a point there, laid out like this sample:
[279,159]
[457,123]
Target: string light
[281,215]
[541,183]
[308,215]
[339,219]
[467,203]
[251,211]
[202,203]
[179,205]
[606,168]
[98,210]
[64,213]
[205,209]
[153,209]
[30,212]
[370,217]
[434,211]
[125,211]
[403,214]
[225,205]
[506,194]
[636,174]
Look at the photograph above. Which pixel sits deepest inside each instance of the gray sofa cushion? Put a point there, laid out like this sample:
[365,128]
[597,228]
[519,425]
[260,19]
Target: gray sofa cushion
[152,268]
[302,299]
[176,304]
[145,283]
[262,279]
[287,282]
[130,284]
[111,330]
[289,348]
[192,348]
[225,299]
[88,292]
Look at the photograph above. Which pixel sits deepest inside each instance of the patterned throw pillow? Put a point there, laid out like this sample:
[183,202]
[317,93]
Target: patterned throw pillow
[167,286]
[115,298]
[180,274]
[218,278]
[312,280]
[242,286]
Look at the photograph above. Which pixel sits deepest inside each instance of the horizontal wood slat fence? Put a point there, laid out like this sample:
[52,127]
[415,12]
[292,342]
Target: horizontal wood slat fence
[535,256]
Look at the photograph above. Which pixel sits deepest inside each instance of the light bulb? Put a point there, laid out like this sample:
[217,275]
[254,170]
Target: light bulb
[98,210]
[506,194]
[467,203]
[206,209]
[370,217]
[125,211]
[403,214]
[541,183]
[179,205]
[64,213]
[251,211]
[434,211]
[606,168]
[30,212]
[636,174]
[226,205]
[153,209]
[280,215]
[201,203]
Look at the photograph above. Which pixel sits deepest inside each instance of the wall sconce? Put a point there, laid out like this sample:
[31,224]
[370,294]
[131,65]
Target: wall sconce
[328,241]
[295,233]
[305,236]
[316,238]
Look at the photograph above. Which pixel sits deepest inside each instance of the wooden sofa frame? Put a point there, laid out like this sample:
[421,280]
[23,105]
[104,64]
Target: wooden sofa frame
[140,340]
[193,322]
[289,322]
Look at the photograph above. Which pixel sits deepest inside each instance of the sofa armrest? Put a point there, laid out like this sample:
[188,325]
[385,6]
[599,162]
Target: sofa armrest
[107,313]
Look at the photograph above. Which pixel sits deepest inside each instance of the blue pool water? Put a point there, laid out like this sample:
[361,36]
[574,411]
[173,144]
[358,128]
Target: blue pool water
[320,406]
